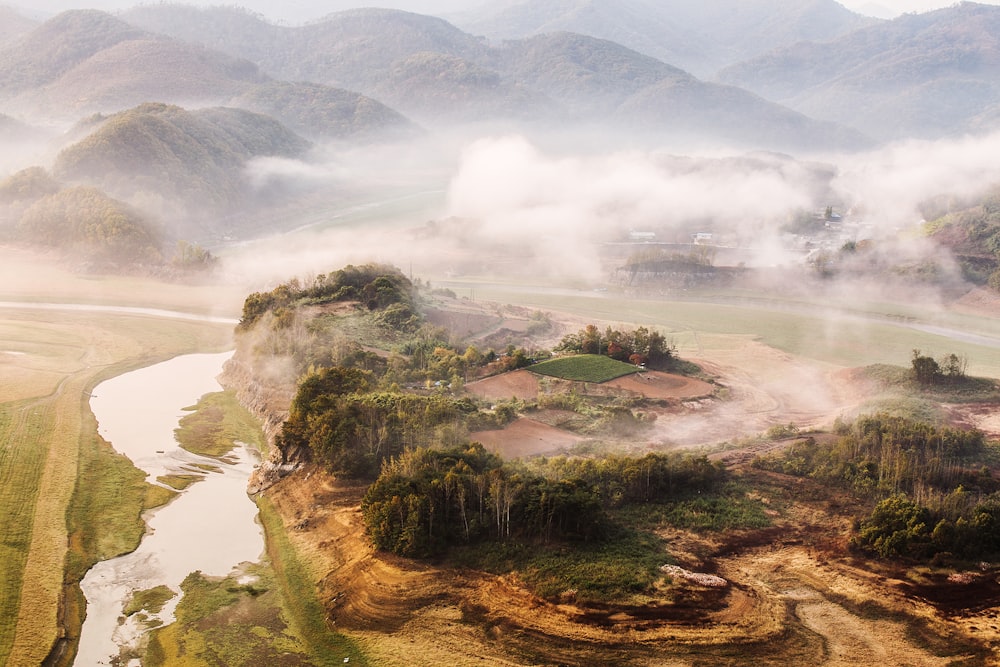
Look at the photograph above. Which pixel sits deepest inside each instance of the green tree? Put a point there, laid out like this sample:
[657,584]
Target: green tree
[896,527]
[926,371]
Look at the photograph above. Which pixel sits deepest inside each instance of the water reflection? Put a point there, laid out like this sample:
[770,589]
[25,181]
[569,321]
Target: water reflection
[210,527]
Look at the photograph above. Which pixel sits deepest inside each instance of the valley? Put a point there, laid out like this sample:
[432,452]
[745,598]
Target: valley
[564,333]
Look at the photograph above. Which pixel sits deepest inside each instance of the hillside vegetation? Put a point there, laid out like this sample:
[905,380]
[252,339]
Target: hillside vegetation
[932,496]
[85,222]
[929,74]
[178,162]
[13,24]
[970,230]
[436,73]
[89,61]
[58,45]
[589,541]
[322,112]
[699,39]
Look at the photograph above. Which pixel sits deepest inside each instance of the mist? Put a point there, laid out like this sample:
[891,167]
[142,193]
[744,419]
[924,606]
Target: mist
[289,12]
[503,205]
[892,182]
[301,11]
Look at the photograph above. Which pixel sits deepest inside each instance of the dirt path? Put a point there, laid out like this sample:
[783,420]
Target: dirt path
[822,596]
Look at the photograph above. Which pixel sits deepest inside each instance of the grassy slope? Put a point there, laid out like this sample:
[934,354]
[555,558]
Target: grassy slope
[304,611]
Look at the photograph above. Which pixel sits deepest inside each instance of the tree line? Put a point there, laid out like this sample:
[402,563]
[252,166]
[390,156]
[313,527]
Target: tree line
[427,500]
[641,346]
[930,494]
[377,286]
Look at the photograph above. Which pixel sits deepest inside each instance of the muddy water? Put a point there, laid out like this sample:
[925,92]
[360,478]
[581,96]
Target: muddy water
[211,526]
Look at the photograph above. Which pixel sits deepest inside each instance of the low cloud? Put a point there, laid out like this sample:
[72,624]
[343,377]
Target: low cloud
[891,183]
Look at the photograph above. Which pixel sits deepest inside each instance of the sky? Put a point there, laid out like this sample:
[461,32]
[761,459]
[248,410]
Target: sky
[297,11]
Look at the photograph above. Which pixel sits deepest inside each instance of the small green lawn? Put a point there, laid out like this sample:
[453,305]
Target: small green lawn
[584,368]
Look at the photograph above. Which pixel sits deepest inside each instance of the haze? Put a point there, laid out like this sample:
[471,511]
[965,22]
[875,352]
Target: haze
[297,11]
[763,210]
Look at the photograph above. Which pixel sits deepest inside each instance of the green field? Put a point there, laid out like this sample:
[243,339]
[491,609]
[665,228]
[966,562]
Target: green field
[584,368]
[701,324]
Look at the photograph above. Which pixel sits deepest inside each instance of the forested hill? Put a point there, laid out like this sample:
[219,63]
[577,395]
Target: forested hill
[698,37]
[921,74]
[323,112]
[438,75]
[58,45]
[970,230]
[190,161]
[89,61]
[346,49]
[421,65]
[601,79]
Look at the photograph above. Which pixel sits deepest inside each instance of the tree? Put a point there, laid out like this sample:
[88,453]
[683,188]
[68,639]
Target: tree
[591,340]
[953,366]
[897,527]
[192,256]
[926,371]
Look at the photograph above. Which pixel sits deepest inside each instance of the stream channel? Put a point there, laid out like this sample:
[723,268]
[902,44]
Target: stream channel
[211,526]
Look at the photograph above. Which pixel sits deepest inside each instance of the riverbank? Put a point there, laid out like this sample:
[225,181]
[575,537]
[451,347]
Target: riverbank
[64,485]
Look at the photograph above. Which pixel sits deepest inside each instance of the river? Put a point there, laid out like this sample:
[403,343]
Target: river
[211,526]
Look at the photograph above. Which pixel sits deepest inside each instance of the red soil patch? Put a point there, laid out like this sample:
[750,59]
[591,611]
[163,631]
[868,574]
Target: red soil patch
[656,384]
[517,384]
[526,437]
[523,384]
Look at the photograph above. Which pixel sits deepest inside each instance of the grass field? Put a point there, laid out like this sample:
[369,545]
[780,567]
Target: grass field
[859,336]
[304,612]
[584,368]
[215,424]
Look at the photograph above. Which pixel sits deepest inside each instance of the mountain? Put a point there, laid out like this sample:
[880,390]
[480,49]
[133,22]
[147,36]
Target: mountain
[422,65]
[591,76]
[712,114]
[439,75]
[601,79]
[924,75]
[178,163]
[229,29]
[322,112]
[58,45]
[142,70]
[87,61]
[697,37]
[82,61]
[349,49]
[440,89]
